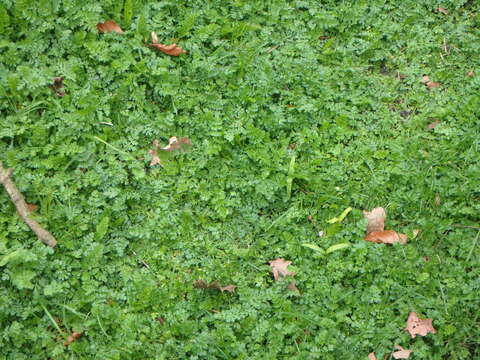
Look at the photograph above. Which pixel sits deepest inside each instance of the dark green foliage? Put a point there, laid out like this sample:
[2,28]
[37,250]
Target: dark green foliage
[334,85]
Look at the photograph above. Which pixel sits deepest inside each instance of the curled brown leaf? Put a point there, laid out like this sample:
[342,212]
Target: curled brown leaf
[442,10]
[279,268]
[72,338]
[401,353]
[417,326]
[108,27]
[172,50]
[376,219]
[372,356]
[386,237]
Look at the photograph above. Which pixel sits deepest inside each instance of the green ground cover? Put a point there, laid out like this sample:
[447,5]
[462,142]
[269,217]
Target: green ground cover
[294,109]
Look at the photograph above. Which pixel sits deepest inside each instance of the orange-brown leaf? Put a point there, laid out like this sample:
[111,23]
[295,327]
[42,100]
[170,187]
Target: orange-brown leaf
[175,143]
[376,219]
[432,84]
[201,284]
[279,268]
[386,237]
[470,73]
[72,338]
[372,356]
[31,207]
[401,353]
[108,27]
[433,124]
[442,10]
[172,50]
[293,287]
[417,326]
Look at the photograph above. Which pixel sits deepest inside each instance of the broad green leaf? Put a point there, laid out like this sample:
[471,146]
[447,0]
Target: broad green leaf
[102,228]
[337,247]
[314,247]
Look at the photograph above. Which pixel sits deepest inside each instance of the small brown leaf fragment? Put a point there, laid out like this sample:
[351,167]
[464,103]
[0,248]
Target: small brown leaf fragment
[279,268]
[401,353]
[372,356]
[175,143]
[293,287]
[161,320]
[201,284]
[172,50]
[417,326]
[57,86]
[433,124]
[428,83]
[229,288]
[108,27]
[72,338]
[442,10]
[153,152]
[432,84]
[31,207]
[470,73]
[376,219]
[386,237]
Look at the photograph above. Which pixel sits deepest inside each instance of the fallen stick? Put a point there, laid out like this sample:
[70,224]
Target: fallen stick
[43,235]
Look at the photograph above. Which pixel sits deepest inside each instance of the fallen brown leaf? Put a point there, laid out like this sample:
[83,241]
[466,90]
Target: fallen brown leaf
[72,338]
[401,353]
[174,143]
[428,83]
[386,237]
[433,124]
[293,287]
[57,86]
[372,356]
[279,268]
[32,207]
[470,73]
[442,10]
[200,284]
[376,219]
[108,27]
[417,326]
[172,50]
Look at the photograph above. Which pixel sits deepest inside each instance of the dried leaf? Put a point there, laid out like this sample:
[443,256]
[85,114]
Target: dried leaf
[279,268]
[215,285]
[108,27]
[72,338]
[175,143]
[432,84]
[417,326]
[401,353]
[372,356]
[376,219]
[386,237]
[442,10]
[172,50]
[229,288]
[293,287]
[428,83]
[31,207]
[433,124]
[57,86]
[470,73]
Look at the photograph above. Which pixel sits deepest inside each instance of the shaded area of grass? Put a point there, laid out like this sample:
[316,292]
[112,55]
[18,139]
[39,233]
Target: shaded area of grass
[336,85]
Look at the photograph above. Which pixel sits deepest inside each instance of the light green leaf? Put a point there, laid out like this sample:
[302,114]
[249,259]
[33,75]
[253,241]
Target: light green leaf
[314,247]
[102,228]
[341,217]
[336,247]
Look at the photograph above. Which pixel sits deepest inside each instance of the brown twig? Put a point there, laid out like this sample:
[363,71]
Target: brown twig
[43,235]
